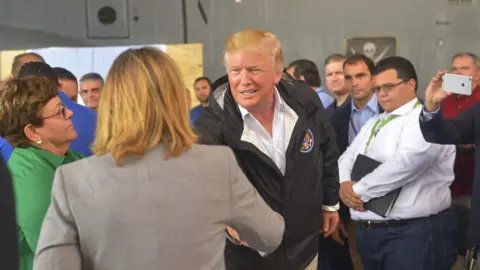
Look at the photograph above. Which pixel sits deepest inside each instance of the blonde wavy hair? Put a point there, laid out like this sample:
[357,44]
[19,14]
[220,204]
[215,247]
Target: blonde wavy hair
[251,40]
[144,103]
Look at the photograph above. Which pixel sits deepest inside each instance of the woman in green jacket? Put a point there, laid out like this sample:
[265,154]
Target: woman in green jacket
[35,122]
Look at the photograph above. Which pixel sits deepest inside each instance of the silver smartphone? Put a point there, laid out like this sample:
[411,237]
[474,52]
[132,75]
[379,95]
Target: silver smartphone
[458,84]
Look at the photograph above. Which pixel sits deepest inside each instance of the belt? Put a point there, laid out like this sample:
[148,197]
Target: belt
[375,224]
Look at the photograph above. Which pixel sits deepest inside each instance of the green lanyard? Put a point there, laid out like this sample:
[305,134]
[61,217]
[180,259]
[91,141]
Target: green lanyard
[379,124]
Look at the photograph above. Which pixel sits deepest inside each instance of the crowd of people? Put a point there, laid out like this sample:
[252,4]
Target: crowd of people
[271,171]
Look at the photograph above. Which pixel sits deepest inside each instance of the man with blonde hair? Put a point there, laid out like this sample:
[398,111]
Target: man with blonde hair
[284,143]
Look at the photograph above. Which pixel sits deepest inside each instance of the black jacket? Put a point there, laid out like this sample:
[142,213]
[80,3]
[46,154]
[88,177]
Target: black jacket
[8,223]
[334,108]
[463,129]
[311,175]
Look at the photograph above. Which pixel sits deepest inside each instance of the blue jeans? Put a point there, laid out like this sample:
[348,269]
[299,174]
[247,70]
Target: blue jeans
[419,244]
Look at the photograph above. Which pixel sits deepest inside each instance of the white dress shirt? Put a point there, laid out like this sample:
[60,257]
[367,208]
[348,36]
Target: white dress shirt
[424,170]
[274,146]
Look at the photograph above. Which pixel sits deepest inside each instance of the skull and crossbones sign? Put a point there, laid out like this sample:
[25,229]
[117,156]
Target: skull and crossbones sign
[370,51]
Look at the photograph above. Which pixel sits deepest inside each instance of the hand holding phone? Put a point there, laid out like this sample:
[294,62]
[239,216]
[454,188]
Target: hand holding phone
[458,84]
[434,93]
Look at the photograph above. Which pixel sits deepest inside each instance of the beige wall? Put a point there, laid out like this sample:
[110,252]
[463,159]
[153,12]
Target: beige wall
[6,59]
[189,58]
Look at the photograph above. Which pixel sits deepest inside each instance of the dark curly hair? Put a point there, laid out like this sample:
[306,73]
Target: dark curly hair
[21,104]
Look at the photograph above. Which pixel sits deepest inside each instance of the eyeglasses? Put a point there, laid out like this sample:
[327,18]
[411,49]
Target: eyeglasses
[63,112]
[387,87]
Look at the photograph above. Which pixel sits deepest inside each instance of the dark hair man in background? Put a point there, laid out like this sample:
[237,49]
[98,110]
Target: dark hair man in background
[67,83]
[306,70]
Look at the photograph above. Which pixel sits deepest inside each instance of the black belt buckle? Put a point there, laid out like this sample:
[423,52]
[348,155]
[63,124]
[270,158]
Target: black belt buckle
[366,224]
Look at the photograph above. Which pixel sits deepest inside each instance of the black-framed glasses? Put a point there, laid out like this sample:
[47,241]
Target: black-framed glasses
[63,112]
[387,87]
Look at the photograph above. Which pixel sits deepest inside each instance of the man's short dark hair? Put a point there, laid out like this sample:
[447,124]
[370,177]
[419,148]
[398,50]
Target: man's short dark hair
[91,77]
[64,74]
[307,69]
[336,57]
[357,58]
[404,68]
[37,69]
[17,61]
[203,78]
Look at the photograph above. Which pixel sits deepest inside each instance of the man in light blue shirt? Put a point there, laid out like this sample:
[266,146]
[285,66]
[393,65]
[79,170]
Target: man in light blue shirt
[364,104]
[347,122]
[305,70]
[359,116]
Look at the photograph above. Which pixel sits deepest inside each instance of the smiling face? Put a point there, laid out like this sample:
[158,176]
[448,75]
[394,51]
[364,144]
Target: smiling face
[252,77]
[90,91]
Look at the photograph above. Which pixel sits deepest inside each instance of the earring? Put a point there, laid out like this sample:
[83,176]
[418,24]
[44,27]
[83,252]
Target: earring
[39,142]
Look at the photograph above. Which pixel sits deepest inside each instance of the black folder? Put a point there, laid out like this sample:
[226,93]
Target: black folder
[382,205]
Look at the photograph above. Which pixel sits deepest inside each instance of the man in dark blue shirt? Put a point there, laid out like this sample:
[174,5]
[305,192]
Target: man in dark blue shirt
[202,86]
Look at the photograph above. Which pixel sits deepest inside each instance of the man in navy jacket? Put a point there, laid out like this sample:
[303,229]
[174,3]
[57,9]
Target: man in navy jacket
[461,130]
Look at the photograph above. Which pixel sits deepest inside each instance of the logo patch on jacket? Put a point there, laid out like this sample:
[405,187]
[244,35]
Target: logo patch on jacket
[307,144]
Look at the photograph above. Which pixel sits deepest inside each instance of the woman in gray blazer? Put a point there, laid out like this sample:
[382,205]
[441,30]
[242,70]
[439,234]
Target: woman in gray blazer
[150,198]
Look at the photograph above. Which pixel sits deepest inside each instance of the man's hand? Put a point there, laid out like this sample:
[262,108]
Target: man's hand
[340,233]
[434,94]
[349,198]
[235,235]
[330,222]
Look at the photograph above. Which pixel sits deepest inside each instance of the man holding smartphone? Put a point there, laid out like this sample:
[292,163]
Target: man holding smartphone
[460,130]
[467,64]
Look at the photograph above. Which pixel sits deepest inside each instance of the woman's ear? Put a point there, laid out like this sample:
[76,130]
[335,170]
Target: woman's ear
[31,133]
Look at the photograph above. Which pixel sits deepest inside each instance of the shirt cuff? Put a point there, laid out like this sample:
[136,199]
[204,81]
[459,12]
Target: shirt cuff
[344,176]
[360,190]
[331,208]
[427,116]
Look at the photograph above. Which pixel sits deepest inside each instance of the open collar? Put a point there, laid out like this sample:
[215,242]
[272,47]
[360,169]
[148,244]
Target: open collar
[372,104]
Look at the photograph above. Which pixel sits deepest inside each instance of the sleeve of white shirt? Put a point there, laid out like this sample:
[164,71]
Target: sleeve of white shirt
[413,156]
[347,159]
